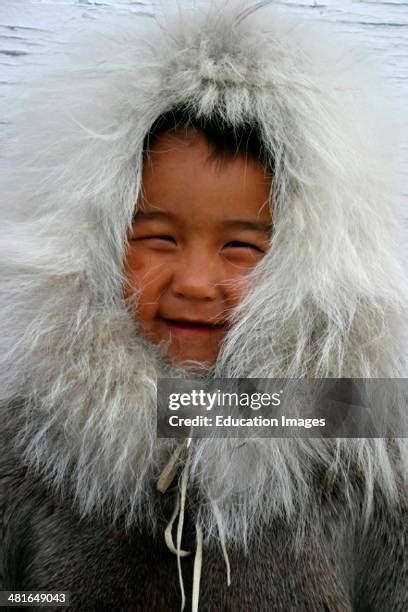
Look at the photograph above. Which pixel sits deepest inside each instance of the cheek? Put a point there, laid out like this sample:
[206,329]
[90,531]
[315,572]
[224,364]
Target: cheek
[132,271]
[145,278]
[237,285]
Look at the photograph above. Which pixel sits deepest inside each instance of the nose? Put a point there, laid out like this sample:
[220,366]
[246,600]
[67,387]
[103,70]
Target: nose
[197,276]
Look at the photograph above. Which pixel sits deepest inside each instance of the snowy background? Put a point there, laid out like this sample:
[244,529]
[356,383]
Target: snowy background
[33,30]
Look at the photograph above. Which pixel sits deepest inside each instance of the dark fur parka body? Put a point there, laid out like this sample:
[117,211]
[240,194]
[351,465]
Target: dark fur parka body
[341,565]
[309,525]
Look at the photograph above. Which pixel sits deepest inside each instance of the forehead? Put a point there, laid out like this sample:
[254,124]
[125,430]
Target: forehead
[182,174]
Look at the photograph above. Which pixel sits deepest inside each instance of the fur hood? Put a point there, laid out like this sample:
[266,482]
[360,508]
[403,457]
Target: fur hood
[328,300]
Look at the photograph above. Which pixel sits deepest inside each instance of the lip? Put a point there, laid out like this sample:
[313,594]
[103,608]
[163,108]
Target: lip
[193,328]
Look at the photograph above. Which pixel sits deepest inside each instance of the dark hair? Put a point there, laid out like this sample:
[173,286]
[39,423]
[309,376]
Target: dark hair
[226,141]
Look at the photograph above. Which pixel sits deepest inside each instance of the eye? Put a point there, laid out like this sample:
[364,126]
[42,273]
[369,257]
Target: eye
[238,244]
[164,238]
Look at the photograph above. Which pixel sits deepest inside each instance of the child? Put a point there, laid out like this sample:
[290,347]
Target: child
[207,195]
[203,222]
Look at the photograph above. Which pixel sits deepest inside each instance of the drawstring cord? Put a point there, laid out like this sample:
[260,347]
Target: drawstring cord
[221,532]
[168,532]
[170,469]
[164,481]
[183,495]
[198,560]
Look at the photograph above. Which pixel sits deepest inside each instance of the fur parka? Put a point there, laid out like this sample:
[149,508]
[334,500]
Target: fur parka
[309,525]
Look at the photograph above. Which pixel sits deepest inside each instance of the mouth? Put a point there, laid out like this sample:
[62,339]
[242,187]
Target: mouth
[193,327]
[187,323]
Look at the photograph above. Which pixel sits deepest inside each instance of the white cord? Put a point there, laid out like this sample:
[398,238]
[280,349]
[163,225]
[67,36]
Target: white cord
[168,536]
[198,559]
[221,531]
[179,509]
[183,495]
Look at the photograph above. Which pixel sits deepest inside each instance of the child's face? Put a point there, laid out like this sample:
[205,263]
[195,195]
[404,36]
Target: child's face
[201,226]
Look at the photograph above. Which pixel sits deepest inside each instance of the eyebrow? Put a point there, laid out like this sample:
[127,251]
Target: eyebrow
[142,214]
[260,226]
[244,224]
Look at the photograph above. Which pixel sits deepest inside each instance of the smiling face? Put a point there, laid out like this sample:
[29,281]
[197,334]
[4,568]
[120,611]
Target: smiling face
[200,227]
